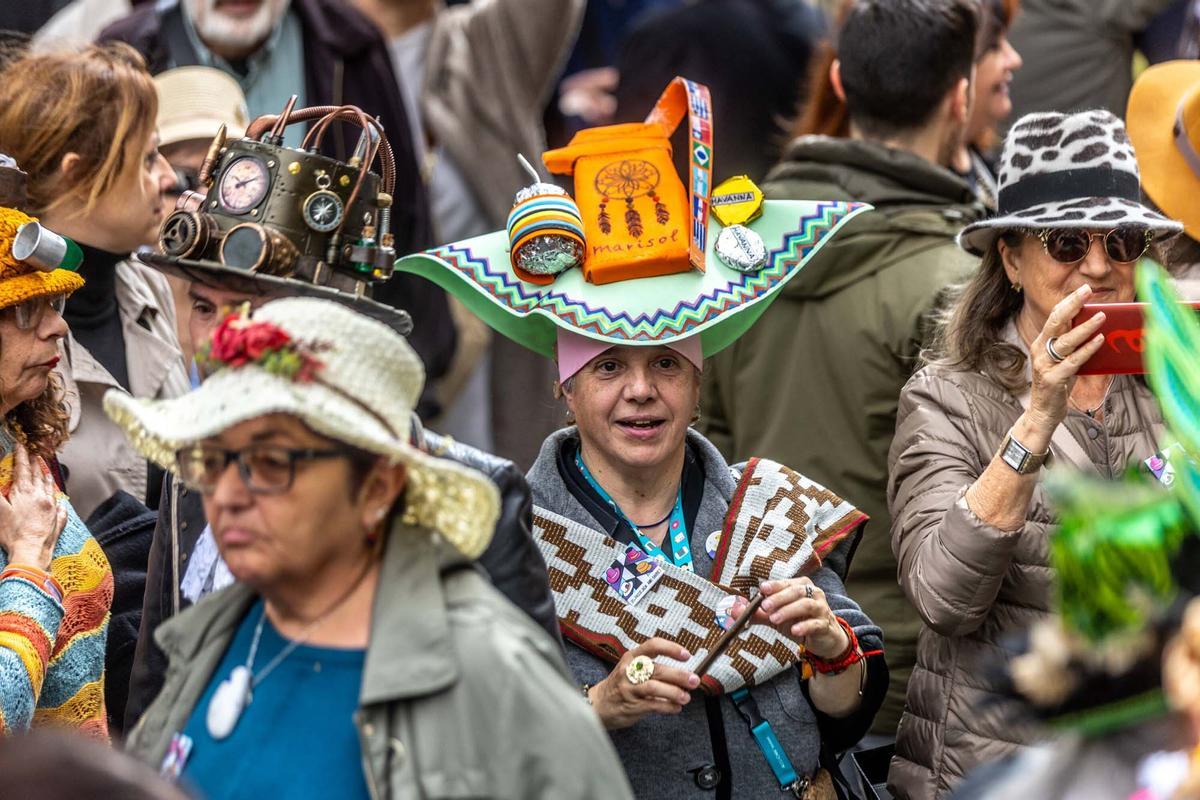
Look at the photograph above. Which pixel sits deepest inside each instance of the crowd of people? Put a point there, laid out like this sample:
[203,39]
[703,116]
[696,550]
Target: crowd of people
[575,398]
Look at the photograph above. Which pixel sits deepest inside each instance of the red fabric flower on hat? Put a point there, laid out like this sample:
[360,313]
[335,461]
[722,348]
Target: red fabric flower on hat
[239,341]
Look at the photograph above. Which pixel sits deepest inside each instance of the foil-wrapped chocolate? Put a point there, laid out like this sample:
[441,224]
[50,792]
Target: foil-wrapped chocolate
[545,232]
[741,248]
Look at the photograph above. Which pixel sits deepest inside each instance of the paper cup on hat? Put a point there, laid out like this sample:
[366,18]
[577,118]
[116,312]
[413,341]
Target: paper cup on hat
[361,393]
[1163,119]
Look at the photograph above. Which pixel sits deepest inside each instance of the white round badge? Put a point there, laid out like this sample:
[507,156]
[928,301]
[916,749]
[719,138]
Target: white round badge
[712,543]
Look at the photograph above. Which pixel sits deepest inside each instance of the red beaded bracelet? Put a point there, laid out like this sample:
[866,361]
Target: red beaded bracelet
[832,666]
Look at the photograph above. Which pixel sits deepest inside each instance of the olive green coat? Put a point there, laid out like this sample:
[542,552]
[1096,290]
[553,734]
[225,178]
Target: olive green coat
[462,694]
[816,382]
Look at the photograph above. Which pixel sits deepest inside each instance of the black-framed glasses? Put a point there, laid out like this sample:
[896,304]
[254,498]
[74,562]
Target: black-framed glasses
[1071,245]
[28,314]
[264,468]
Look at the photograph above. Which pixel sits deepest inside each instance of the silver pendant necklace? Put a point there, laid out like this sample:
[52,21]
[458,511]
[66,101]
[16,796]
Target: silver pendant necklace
[234,693]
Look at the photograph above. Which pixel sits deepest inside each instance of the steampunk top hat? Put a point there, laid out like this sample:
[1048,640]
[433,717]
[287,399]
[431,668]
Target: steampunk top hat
[271,219]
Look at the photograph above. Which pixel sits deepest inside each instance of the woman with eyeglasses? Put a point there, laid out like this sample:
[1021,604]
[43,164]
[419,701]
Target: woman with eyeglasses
[82,126]
[1002,395]
[56,586]
[359,653]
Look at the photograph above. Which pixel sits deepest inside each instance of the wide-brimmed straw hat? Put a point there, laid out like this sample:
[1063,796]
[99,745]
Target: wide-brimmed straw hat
[346,376]
[1067,171]
[1164,125]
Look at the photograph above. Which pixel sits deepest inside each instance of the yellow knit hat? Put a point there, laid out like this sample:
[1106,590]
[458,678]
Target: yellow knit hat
[21,280]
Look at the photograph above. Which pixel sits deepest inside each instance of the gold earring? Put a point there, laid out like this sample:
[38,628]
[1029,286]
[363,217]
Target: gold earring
[1017,287]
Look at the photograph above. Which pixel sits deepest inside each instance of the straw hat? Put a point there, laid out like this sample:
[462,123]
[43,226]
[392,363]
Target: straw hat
[1066,171]
[1164,125]
[22,280]
[346,376]
[193,102]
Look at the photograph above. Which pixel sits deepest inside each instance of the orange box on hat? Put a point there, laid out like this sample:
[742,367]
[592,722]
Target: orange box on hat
[634,206]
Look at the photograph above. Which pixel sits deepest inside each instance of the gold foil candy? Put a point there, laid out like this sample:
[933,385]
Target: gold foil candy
[736,201]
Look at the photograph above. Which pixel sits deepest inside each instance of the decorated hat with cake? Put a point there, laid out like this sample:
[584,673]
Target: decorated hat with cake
[635,257]
[272,219]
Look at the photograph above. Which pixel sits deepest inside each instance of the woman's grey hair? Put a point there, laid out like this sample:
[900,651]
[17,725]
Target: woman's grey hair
[968,331]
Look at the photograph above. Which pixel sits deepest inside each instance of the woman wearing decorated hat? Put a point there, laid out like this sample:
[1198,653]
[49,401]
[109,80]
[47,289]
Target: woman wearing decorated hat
[55,583]
[654,544]
[356,608]
[1002,395]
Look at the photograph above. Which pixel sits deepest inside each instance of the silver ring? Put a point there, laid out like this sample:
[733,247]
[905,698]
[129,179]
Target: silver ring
[808,593]
[1051,351]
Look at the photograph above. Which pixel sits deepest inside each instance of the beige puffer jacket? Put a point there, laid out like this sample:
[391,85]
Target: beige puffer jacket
[971,583]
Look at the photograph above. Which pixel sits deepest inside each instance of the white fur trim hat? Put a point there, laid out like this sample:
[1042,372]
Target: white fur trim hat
[1067,171]
[346,376]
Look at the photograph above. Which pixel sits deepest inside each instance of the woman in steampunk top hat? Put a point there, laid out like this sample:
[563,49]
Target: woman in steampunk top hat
[655,544]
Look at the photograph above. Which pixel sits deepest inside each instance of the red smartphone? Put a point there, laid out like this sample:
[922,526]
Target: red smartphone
[1121,353]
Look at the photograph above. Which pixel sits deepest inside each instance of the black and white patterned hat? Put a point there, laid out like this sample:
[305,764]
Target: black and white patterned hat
[1067,171]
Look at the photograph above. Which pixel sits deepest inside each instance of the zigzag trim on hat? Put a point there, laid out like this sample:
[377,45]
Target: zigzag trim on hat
[684,318]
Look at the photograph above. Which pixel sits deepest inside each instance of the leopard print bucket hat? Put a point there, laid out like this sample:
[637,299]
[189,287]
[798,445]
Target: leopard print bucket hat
[1067,171]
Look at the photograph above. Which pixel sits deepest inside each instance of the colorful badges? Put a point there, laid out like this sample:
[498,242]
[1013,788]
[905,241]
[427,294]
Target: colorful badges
[736,201]
[632,575]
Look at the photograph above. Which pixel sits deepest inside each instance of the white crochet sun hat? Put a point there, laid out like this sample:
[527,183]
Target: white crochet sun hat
[346,376]
[1067,171]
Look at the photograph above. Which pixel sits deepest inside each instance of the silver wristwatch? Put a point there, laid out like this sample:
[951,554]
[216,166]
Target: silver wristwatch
[1018,456]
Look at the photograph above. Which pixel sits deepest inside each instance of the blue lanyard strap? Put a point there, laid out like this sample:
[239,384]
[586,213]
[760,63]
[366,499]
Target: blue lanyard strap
[679,548]
[767,742]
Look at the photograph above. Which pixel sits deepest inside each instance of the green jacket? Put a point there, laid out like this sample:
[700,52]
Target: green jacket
[816,382]
[462,695]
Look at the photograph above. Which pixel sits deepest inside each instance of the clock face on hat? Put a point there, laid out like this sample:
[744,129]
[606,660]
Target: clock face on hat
[244,185]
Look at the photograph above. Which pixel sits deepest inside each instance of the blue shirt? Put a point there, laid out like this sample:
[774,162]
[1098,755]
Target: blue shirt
[296,739]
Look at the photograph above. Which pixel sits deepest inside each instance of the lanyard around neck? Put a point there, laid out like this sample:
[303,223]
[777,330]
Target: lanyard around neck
[679,549]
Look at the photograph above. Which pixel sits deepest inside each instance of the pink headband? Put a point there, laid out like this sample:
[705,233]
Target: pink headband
[575,351]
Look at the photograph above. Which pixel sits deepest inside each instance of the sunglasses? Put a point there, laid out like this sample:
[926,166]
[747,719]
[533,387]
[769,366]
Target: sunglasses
[1070,246]
[28,314]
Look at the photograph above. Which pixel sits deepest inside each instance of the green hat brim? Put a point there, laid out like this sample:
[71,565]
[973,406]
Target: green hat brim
[719,305]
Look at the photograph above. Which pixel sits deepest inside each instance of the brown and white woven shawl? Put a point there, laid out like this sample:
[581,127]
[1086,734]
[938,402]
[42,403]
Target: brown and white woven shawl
[780,525]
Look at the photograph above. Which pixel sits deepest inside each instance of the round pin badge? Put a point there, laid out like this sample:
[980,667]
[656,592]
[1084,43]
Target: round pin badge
[725,618]
[741,249]
[712,543]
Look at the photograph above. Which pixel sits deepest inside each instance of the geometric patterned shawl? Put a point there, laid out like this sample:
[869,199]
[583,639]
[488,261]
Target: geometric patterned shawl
[779,525]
